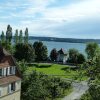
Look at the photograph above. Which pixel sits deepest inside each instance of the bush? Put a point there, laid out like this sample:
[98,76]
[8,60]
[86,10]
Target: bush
[38,86]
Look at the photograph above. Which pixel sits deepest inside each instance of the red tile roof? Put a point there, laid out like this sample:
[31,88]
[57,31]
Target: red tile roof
[6,61]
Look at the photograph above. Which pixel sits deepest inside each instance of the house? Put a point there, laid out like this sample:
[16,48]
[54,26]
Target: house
[62,56]
[10,78]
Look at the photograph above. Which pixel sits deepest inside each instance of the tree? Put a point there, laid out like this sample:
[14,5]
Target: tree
[24,51]
[21,36]
[26,36]
[38,86]
[16,37]
[2,37]
[22,67]
[53,54]
[80,58]
[40,51]
[9,34]
[91,50]
[73,55]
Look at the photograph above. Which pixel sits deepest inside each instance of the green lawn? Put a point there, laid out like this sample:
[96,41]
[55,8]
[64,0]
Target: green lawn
[63,71]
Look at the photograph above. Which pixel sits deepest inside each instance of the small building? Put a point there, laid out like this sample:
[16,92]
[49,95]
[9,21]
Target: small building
[62,56]
[10,78]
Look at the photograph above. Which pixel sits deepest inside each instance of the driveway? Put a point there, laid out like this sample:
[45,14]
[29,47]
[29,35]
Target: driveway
[78,90]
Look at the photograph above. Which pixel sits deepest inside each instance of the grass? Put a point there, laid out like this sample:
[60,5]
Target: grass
[62,71]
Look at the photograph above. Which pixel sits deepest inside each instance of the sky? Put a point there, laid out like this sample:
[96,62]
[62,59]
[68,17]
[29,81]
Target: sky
[52,18]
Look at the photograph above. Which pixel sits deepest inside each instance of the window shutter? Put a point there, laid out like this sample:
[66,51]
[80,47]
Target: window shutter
[14,68]
[9,88]
[16,85]
[8,70]
[4,71]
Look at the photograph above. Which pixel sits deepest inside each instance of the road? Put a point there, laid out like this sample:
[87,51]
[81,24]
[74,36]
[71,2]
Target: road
[78,90]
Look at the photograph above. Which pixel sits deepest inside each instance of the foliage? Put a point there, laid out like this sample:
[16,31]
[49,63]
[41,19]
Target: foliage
[21,36]
[9,34]
[93,93]
[2,37]
[22,67]
[26,36]
[40,51]
[73,55]
[81,58]
[24,51]
[16,37]
[91,49]
[53,54]
[38,86]
[94,73]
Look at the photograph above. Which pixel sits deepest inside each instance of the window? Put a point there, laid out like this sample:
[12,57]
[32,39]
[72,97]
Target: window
[12,70]
[0,72]
[11,87]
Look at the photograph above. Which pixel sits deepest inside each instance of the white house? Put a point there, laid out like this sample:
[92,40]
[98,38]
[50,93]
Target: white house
[10,78]
[62,56]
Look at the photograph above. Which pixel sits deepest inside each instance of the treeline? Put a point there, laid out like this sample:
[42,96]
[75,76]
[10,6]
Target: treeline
[19,36]
[70,40]
[23,50]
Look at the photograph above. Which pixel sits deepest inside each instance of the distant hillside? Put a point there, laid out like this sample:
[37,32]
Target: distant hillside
[70,40]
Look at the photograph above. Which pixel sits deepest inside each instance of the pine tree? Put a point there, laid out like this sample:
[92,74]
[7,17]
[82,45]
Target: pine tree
[21,37]
[2,37]
[9,34]
[16,37]
[26,36]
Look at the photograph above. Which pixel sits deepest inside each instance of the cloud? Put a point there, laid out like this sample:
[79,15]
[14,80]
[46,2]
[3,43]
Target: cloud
[65,20]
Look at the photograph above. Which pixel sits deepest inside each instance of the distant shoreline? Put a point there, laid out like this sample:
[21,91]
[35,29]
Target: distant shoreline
[68,40]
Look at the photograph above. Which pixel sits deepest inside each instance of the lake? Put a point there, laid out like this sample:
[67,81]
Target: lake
[66,46]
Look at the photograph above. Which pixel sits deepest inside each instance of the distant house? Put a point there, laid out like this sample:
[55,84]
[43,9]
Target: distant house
[62,56]
[10,78]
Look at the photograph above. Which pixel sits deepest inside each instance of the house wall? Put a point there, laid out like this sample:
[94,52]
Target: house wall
[13,96]
[10,96]
[63,58]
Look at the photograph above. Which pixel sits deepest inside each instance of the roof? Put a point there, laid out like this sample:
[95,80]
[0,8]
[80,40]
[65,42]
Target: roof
[62,51]
[9,79]
[7,60]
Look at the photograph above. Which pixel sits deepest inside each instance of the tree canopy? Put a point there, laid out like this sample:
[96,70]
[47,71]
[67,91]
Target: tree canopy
[41,51]
[91,49]
[24,51]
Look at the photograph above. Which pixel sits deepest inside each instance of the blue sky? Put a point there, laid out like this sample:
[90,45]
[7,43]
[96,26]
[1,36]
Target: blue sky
[54,18]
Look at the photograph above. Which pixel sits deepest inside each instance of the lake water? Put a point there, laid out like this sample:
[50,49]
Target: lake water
[66,46]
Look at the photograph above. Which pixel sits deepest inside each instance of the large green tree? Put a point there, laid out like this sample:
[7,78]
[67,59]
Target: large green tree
[2,37]
[24,51]
[53,54]
[21,36]
[9,34]
[16,38]
[81,58]
[41,51]
[38,86]
[91,50]
[73,55]
[26,36]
